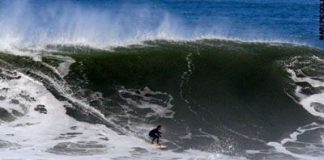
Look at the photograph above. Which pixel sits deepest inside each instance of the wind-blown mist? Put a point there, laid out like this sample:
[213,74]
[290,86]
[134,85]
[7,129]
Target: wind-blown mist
[104,24]
[26,24]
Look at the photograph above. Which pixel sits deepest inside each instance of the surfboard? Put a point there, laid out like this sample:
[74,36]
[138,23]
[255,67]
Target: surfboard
[157,146]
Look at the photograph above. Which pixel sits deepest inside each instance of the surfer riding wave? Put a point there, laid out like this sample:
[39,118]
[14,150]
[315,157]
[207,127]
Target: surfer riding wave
[155,134]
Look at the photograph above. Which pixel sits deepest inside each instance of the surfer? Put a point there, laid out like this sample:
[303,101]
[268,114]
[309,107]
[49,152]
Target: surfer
[156,134]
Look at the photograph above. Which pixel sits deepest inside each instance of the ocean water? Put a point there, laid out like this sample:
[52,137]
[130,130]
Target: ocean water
[227,80]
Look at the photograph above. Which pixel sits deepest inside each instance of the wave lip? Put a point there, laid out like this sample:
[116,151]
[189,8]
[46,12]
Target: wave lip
[29,25]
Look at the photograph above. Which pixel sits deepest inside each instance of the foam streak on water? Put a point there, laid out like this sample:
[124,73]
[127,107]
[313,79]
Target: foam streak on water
[300,148]
[306,141]
[313,103]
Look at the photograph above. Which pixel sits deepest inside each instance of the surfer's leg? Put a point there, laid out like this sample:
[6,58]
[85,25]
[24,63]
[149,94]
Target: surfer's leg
[158,140]
[153,138]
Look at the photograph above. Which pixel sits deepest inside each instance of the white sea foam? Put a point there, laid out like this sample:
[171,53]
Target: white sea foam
[63,67]
[307,101]
[146,99]
[312,103]
[284,146]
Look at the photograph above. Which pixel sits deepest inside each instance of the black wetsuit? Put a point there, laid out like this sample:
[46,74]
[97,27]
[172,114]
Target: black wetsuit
[155,134]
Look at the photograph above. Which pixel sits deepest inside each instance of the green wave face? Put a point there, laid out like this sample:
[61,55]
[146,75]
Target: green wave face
[235,90]
[212,95]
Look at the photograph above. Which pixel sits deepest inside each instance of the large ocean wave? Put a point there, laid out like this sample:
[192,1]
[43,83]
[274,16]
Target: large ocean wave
[216,100]
[226,79]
